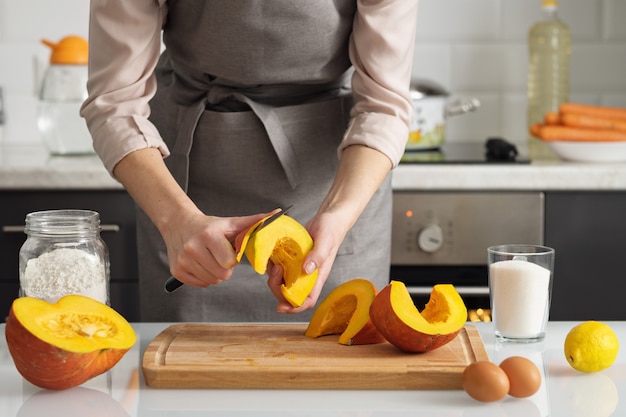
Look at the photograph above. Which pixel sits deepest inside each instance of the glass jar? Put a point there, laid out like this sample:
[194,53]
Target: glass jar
[64,254]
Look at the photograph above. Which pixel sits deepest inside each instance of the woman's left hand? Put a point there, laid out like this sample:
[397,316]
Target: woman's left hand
[361,171]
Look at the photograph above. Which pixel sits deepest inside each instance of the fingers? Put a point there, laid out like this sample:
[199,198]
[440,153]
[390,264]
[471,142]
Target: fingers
[207,258]
[243,223]
[201,270]
[309,302]
[275,280]
[200,251]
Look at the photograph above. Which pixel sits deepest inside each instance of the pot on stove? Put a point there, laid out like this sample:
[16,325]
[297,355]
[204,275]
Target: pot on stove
[431,109]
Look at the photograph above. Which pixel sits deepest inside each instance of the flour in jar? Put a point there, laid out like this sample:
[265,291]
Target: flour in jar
[64,271]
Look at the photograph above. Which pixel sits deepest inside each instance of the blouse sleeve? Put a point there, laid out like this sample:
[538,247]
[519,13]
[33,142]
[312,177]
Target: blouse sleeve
[124,47]
[381,51]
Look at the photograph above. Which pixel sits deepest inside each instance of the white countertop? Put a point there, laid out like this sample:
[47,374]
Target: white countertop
[536,176]
[122,392]
[26,167]
[31,167]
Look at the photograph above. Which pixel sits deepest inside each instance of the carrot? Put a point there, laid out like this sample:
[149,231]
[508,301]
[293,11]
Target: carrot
[552,118]
[535,129]
[572,134]
[590,122]
[597,111]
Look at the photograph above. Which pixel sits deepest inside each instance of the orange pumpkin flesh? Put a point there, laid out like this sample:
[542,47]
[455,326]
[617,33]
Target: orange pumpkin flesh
[62,345]
[396,317]
[285,242]
[345,311]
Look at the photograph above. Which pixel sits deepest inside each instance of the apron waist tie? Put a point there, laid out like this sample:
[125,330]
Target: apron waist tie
[281,144]
[179,158]
[178,161]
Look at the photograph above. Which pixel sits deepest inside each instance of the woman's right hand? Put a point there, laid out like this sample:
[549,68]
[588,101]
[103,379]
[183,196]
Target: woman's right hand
[200,248]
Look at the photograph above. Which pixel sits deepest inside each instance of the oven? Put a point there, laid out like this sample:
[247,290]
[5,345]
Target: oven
[442,237]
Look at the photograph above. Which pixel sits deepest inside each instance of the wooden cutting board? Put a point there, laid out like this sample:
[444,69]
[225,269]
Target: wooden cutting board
[279,356]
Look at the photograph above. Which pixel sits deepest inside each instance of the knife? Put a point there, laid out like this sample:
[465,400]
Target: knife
[172,284]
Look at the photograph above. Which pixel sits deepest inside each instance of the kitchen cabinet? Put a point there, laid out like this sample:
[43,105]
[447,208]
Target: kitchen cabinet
[587,229]
[117,216]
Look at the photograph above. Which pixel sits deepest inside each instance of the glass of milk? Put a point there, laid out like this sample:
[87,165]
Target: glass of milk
[520,287]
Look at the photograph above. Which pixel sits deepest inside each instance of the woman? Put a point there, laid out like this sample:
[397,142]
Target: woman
[252,105]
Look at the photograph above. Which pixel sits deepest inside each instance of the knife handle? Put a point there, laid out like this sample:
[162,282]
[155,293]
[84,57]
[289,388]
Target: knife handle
[172,284]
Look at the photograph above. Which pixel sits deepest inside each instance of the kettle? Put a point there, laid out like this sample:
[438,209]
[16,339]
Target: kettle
[63,90]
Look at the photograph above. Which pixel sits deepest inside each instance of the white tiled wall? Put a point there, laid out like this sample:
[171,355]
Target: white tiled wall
[474,48]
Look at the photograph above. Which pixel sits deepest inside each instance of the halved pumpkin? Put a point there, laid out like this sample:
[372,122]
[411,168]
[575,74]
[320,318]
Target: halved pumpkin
[62,345]
[285,242]
[398,319]
[346,311]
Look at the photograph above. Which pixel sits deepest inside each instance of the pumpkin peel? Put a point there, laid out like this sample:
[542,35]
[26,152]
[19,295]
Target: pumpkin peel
[62,345]
[241,240]
[345,311]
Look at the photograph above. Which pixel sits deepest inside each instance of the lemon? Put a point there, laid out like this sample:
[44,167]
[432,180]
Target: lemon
[591,346]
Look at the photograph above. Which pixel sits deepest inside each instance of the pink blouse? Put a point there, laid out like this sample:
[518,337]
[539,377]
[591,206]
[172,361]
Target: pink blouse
[125,44]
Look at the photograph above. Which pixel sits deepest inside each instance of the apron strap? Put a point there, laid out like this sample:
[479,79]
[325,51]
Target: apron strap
[281,144]
[179,158]
[178,161]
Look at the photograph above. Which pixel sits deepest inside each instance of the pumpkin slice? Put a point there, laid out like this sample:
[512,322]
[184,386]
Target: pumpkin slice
[394,314]
[346,311]
[285,242]
[62,345]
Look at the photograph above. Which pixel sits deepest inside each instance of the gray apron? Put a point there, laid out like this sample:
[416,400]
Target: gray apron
[252,102]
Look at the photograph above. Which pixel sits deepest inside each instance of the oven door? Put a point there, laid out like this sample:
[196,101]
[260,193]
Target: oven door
[442,237]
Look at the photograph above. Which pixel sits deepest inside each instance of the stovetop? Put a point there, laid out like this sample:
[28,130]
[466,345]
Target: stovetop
[493,151]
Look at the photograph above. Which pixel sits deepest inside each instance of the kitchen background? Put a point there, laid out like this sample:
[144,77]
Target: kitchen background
[473,48]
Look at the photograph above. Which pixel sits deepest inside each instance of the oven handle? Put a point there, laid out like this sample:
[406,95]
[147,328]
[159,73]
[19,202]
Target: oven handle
[461,290]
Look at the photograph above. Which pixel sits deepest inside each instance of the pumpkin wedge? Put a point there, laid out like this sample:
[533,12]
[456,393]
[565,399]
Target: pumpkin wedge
[346,311]
[285,242]
[398,319]
[62,345]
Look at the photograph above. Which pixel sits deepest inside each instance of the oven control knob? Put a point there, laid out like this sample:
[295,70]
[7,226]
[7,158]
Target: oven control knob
[430,238]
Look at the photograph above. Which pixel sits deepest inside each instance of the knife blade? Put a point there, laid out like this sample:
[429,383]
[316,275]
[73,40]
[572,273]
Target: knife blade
[172,283]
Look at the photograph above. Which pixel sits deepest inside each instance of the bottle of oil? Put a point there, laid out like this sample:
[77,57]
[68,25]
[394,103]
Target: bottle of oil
[549,47]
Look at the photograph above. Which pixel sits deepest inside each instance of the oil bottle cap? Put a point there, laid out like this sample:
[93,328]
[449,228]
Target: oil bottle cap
[72,50]
[549,3]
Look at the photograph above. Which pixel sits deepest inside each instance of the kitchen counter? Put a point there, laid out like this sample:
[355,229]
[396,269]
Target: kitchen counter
[31,167]
[536,176]
[122,392]
[26,167]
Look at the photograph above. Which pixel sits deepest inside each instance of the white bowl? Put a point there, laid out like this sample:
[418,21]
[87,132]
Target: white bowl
[590,151]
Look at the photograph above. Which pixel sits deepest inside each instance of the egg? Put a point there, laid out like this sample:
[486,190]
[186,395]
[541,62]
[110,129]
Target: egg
[524,376]
[485,381]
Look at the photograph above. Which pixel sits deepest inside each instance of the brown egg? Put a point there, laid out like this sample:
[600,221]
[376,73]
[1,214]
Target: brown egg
[524,376]
[485,381]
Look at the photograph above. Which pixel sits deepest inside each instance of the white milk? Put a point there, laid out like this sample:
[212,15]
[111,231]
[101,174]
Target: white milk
[520,298]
